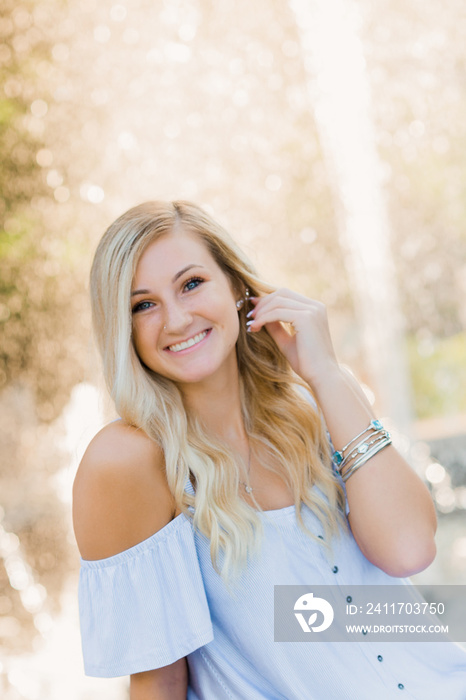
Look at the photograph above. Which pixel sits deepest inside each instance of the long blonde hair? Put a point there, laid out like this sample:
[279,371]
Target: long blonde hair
[277,417]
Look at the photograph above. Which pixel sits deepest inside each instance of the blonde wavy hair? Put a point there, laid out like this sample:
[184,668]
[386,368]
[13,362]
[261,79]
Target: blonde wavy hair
[278,418]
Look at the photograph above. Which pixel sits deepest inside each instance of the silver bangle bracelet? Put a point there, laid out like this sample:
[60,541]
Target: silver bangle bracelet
[380,445]
[363,446]
[338,455]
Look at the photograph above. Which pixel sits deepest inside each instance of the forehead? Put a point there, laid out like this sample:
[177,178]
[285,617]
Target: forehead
[172,252]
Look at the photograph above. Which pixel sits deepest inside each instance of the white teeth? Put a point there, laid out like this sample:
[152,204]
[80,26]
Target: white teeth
[188,343]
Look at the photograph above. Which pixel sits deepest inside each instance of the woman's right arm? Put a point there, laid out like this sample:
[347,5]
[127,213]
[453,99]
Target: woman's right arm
[167,683]
[120,498]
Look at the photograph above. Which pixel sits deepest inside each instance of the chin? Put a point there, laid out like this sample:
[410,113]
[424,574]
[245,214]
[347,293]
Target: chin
[191,376]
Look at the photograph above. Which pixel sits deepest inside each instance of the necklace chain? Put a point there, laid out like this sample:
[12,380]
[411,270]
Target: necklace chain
[247,487]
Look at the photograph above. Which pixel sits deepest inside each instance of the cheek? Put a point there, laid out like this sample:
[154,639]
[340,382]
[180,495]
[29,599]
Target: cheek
[143,334]
[138,345]
[223,310]
[233,324]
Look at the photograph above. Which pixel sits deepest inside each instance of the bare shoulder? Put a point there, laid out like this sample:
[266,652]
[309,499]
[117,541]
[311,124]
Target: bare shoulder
[120,494]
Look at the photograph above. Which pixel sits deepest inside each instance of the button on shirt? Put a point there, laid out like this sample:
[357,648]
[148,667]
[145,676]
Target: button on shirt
[162,600]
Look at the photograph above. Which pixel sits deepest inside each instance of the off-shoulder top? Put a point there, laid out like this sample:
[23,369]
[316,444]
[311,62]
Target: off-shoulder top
[162,600]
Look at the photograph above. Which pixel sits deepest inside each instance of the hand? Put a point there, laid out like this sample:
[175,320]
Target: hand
[308,347]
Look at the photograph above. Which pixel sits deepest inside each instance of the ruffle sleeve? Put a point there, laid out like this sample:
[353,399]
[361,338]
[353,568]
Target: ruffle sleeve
[146,607]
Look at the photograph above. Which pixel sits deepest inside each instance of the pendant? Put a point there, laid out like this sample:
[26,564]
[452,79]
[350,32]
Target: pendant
[248,489]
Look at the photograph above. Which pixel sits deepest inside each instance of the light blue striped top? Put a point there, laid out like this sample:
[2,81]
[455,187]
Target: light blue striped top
[162,600]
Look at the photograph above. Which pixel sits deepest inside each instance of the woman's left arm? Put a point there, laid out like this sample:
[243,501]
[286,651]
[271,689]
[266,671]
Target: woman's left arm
[392,515]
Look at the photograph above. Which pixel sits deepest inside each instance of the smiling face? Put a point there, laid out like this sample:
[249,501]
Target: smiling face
[185,321]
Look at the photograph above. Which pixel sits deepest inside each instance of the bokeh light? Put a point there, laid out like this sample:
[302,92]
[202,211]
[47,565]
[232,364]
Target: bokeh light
[344,181]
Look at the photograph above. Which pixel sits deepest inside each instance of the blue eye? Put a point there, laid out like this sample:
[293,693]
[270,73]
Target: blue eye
[142,306]
[193,283]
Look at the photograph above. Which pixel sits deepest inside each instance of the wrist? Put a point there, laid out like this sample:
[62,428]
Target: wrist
[325,376]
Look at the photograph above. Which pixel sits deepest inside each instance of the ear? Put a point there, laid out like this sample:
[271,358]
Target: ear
[243,299]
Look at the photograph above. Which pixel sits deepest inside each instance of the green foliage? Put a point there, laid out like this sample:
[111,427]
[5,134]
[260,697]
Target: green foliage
[40,299]
[40,288]
[438,373]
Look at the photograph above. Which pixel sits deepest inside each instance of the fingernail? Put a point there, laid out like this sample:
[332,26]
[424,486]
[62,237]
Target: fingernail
[249,313]
[248,323]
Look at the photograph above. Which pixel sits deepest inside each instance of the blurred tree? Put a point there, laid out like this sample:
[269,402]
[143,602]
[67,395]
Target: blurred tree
[39,289]
[38,281]
[417,66]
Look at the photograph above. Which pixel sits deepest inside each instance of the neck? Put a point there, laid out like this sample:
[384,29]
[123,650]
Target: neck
[217,404]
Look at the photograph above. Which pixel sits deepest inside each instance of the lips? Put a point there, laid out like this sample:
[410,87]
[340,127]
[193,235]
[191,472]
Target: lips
[189,343]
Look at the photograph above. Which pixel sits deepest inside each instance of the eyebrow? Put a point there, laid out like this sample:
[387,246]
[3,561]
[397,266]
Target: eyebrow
[177,276]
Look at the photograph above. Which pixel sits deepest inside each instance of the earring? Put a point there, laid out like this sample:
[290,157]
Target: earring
[240,302]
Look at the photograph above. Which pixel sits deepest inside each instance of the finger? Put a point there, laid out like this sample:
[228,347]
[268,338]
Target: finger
[286,315]
[279,302]
[279,334]
[282,293]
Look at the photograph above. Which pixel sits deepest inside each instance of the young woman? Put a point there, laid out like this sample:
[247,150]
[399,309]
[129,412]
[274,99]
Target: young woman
[217,482]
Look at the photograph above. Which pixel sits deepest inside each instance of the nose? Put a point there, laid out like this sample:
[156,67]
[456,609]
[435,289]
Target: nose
[176,317]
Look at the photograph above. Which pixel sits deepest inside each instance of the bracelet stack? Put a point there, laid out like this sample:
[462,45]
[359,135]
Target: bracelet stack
[352,456]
